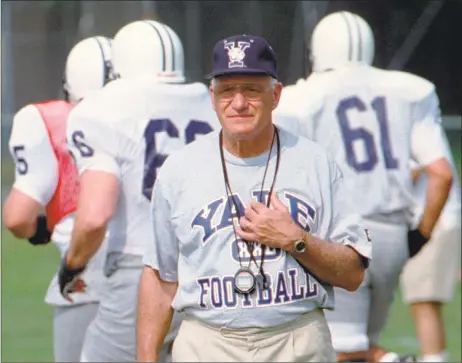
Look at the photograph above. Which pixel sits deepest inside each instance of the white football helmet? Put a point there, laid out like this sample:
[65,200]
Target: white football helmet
[88,67]
[341,38]
[148,48]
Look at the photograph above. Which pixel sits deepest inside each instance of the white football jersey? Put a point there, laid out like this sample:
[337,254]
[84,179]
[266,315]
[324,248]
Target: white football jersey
[373,121]
[36,173]
[37,177]
[128,129]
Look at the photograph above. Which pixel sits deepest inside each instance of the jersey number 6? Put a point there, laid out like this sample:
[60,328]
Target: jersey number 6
[153,160]
[352,134]
[78,138]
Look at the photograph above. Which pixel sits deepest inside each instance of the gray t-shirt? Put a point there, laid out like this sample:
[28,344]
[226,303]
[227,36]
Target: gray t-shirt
[194,242]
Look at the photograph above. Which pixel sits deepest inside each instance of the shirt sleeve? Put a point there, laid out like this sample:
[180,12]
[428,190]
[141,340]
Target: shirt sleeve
[426,138]
[346,225]
[36,173]
[163,251]
[92,142]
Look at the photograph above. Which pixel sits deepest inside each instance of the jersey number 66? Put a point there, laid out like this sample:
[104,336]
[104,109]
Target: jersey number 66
[154,160]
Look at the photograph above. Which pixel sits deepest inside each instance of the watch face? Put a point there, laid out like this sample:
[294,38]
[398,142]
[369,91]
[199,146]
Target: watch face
[300,246]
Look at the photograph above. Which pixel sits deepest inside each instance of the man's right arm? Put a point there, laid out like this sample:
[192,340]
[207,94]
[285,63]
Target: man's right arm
[159,281]
[35,177]
[155,314]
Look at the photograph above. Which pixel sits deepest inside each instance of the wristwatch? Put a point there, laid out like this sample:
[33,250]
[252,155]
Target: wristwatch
[299,246]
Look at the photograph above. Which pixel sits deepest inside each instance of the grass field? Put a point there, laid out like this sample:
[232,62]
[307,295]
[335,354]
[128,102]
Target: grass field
[27,322]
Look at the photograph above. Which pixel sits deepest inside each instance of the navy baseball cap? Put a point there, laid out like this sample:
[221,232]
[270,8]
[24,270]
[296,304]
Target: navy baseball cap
[243,54]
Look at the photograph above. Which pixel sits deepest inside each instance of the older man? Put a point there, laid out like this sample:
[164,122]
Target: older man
[251,230]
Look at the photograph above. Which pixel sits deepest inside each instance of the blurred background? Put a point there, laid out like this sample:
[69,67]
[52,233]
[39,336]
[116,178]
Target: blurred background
[419,36]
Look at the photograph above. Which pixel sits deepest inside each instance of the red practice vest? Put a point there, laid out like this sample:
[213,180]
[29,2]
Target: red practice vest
[64,200]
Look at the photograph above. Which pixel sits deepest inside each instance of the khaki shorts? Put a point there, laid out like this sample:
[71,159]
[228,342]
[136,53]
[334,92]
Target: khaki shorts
[431,275]
[305,340]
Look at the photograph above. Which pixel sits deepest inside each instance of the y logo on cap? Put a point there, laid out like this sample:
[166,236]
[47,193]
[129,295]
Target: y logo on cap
[236,54]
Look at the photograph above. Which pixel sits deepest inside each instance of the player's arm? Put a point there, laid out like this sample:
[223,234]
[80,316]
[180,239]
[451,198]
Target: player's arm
[99,191]
[428,150]
[439,181]
[440,178]
[35,177]
[159,281]
[20,214]
[90,141]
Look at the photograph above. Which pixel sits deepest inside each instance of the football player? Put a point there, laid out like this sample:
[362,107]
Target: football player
[46,177]
[120,137]
[374,122]
[429,279]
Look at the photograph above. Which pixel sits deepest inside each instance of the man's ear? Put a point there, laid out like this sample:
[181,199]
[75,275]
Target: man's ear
[277,94]
[212,97]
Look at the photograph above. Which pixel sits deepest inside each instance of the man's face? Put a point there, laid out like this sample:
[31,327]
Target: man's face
[244,103]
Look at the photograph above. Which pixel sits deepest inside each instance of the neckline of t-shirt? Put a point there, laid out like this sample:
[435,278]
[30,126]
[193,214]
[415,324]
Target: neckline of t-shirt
[259,160]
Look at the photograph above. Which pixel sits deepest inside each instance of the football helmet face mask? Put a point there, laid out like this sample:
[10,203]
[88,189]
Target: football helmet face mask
[88,67]
[147,48]
[341,38]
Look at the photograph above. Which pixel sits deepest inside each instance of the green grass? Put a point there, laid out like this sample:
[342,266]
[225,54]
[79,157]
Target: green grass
[399,334]
[27,321]
[454,138]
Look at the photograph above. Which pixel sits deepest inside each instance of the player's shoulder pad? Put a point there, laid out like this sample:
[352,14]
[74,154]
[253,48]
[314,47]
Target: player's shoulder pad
[194,92]
[28,118]
[312,150]
[292,89]
[316,89]
[27,112]
[410,85]
[109,104]
[198,89]
[120,94]
[28,126]
[301,99]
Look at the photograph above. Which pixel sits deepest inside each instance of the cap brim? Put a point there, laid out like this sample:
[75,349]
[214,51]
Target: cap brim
[236,71]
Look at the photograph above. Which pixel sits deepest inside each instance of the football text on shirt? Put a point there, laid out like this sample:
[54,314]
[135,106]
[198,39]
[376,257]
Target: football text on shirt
[282,287]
